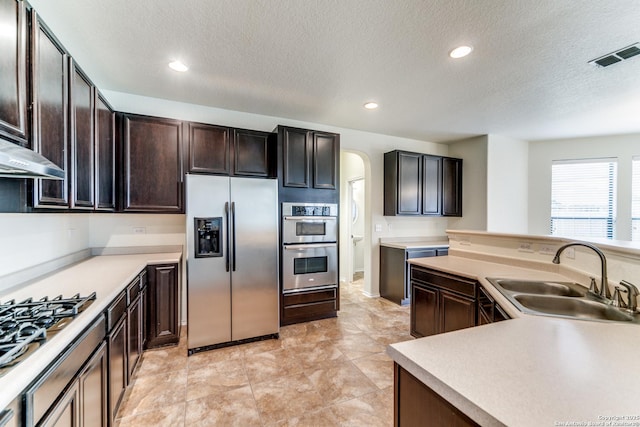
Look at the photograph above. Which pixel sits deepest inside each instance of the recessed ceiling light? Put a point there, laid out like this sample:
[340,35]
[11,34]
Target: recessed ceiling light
[460,51]
[371,105]
[178,66]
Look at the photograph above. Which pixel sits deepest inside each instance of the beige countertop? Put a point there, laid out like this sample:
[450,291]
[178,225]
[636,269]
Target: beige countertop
[106,275]
[417,244]
[531,370]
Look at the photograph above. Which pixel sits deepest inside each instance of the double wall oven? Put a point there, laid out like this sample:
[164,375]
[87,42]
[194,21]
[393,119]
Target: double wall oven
[310,248]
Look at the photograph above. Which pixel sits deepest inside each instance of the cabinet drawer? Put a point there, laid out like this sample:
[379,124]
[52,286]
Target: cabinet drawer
[44,393]
[453,283]
[133,290]
[422,253]
[304,310]
[310,297]
[116,310]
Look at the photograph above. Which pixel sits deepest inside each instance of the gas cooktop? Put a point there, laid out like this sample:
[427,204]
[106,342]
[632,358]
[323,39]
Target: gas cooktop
[26,325]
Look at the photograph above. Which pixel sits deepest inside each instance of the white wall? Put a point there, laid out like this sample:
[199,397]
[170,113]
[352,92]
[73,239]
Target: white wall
[369,145]
[542,153]
[507,198]
[473,152]
[27,240]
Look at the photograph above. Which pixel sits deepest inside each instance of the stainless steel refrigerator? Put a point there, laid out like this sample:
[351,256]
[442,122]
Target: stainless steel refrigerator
[232,259]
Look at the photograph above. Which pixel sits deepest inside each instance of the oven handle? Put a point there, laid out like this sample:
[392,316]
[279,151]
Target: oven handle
[311,218]
[308,246]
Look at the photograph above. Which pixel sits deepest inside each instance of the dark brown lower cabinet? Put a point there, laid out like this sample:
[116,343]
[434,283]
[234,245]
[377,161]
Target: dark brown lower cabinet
[66,412]
[117,344]
[93,390]
[310,305]
[134,334]
[415,404]
[441,302]
[162,299]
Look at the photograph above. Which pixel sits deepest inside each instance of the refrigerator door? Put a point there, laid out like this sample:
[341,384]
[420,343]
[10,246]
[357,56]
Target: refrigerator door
[208,282]
[254,281]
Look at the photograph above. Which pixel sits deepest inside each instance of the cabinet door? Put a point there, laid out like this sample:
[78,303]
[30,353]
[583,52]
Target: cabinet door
[209,149]
[49,63]
[409,184]
[66,413]
[117,366]
[163,305]
[134,324]
[325,160]
[296,154]
[451,186]
[93,390]
[153,175]
[251,153]
[424,311]
[105,155]
[13,71]
[81,107]
[431,185]
[456,312]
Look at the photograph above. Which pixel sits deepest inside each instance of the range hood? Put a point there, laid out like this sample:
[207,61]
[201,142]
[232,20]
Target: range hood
[20,162]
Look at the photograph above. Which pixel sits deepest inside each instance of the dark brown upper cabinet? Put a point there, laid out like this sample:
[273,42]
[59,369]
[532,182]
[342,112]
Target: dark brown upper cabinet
[422,184]
[253,153]
[82,119]
[209,149]
[50,74]
[13,72]
[152,176]
[105,176]
[220,150]
[310,159]
[451,186]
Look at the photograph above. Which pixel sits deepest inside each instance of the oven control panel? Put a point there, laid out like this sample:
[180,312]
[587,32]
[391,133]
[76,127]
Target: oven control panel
[309,209]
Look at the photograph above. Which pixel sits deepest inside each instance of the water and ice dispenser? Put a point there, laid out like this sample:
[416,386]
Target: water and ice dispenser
[208,237]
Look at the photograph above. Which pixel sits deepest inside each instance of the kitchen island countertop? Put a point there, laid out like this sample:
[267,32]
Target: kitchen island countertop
[531,370]
[106,275]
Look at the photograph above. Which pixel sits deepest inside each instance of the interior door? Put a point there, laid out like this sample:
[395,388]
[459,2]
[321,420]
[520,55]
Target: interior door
[254,279]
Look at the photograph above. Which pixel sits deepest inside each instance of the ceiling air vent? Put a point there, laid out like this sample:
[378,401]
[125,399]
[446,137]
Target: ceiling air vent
[617,56]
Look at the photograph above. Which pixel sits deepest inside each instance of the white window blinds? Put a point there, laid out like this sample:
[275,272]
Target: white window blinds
[635,200]
[583,198]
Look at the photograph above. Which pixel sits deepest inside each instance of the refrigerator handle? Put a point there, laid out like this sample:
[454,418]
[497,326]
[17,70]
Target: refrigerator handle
[226,214]
[233,217]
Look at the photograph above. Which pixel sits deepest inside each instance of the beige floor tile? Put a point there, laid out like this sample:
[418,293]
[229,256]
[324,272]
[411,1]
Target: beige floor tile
[282,398]
[378,368]
[172,415]
[340,382]
[152,392]
[232,410]
[330,372]
[217,379]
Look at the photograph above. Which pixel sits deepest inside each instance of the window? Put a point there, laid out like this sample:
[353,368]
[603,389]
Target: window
[635,200]
[583,198]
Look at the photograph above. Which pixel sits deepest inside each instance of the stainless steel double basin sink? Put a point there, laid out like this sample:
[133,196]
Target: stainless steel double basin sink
[561,299]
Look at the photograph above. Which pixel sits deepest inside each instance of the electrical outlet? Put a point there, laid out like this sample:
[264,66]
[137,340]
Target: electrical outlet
[139,230]
[378,228]
[525,247]
[570,253]
[547,250]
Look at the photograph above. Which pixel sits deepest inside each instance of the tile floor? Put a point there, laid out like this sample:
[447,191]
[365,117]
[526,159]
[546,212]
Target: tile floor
[332,372]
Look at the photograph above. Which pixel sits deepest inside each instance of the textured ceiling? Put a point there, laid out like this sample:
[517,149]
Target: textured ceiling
[320,60]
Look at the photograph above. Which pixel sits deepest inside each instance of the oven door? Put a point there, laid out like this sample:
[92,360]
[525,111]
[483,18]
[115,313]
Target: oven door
[305,229]
[309,266]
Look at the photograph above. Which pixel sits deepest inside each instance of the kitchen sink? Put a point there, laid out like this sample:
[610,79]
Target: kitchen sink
[567,289]
[572,307]
[561,299]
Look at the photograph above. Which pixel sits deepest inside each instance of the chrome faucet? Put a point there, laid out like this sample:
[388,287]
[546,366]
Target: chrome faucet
[603,292]
[632,296]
